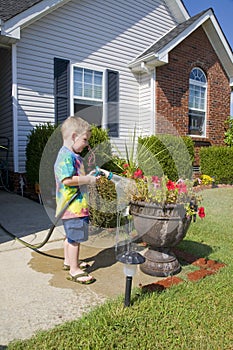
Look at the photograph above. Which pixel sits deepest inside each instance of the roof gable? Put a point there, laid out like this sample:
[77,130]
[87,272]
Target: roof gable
[171,35]
[157,54]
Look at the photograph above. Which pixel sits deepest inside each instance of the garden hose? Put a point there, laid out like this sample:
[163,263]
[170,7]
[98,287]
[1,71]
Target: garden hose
[35,247]
[40,245]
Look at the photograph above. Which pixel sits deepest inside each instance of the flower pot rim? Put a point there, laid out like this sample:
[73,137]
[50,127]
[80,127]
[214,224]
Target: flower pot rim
[155,205]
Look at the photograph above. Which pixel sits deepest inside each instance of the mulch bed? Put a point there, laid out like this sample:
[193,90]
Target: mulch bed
[206,268]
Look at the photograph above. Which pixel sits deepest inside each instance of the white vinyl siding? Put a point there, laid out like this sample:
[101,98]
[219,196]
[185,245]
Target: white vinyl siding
[101,34]
[146,100]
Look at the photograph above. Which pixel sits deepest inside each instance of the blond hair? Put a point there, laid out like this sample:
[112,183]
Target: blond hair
[76,125]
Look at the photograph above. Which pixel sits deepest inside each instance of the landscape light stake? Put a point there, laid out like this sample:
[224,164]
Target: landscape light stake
[130,259]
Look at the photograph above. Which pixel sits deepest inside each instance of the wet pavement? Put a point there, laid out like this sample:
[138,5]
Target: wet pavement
[35,294]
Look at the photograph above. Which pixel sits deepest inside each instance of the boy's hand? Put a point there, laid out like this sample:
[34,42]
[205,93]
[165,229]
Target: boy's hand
[91,173]
[91,180]
[105,172]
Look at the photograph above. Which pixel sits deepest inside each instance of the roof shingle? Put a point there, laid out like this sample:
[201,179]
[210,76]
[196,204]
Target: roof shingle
[158,45]
[11,8]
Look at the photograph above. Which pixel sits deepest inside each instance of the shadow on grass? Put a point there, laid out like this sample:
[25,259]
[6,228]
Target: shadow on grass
[186,252]
[192,250]
[198,250]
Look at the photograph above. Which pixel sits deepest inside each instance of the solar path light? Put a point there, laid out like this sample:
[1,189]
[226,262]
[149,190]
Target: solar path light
[130,259]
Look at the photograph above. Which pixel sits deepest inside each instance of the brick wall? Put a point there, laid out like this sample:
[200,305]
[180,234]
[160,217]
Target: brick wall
[172,90]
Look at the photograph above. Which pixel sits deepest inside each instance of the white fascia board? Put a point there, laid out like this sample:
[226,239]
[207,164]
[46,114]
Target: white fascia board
[178,10]
[140,64]
[13,26]
[220,45]
[220,34]
[163,53]
[172,44]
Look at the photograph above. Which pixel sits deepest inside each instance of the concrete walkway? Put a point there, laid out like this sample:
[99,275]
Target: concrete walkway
[35,294]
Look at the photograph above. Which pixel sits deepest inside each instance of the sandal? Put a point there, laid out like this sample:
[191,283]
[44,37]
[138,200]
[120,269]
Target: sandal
[76,278]
[82,265]
[66,267]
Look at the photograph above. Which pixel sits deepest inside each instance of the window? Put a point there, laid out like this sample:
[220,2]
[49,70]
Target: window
[95,95]
[91,94]
[197,102]
[88,94]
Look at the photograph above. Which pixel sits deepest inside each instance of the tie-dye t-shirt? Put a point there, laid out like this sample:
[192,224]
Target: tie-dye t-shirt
[67,165]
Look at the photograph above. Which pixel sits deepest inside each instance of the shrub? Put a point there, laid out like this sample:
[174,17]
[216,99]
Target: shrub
[101,149]
[172,156]
[37,140]
[229,133]
[102,199]
[217,162]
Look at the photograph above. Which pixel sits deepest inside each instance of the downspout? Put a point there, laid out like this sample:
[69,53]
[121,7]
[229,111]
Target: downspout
[153,101]
[15,108]
[105,104]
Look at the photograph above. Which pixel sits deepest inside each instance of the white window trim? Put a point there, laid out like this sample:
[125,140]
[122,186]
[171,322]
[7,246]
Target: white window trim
[201,84]
[104,90]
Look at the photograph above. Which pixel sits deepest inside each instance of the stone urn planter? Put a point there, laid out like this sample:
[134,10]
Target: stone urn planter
[162,228]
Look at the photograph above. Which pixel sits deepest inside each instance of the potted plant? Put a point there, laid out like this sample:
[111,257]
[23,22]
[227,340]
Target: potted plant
[162,211]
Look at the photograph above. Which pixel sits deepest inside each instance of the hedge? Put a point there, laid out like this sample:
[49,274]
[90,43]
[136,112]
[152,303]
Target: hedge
[217,162]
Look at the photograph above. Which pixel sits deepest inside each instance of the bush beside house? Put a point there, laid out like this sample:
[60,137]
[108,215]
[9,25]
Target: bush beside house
[218,163]
[174,156]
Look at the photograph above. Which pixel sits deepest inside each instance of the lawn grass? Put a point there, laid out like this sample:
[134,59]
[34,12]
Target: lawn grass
[188,316]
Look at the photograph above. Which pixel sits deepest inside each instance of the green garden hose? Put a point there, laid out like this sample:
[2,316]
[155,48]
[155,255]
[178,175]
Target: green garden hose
[40,245]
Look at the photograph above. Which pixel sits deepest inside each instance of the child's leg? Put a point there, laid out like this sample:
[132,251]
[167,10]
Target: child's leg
[73,255]
[66,254]
[82,264]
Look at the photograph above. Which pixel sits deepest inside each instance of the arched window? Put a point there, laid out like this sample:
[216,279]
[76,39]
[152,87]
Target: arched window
[197,102]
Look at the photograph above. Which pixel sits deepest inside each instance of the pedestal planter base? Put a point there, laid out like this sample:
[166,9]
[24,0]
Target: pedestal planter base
[160,263]
[162,228]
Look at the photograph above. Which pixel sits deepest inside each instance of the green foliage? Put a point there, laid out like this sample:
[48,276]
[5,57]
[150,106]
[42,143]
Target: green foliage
[217,162]
[228,139]
[102,199]
[167,154]
[101,149]
[103,203]
[37,140]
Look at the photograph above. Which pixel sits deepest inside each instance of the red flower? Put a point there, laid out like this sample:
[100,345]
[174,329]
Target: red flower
[170,185]
[125,165]
[201,212]
[138,174]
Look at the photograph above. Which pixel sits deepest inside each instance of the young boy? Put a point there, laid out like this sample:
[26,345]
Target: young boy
[70,178]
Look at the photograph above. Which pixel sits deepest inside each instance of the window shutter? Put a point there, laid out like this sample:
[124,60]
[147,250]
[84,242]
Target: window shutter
[61,89]
[113,101]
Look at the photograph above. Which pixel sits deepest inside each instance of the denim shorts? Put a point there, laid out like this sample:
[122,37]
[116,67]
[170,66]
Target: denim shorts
[76,229]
